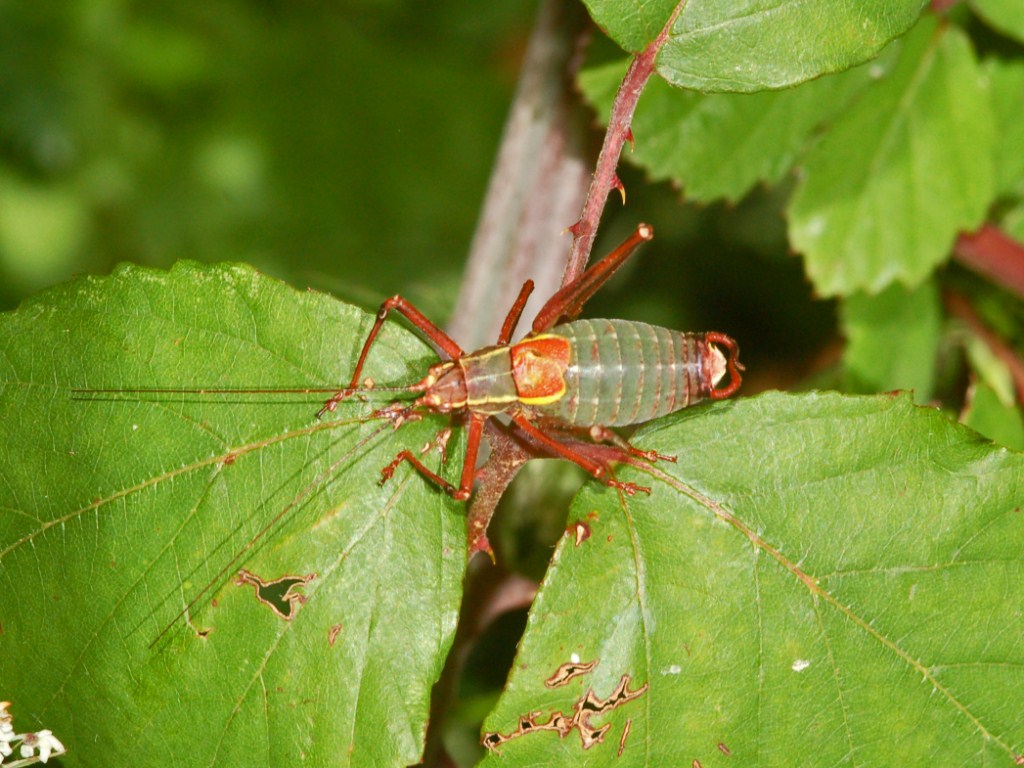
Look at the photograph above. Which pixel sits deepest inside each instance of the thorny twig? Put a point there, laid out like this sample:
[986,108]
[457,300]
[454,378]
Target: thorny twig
[617,134]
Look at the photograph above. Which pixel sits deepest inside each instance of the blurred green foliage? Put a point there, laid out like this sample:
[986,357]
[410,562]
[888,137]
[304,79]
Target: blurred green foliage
[344,146]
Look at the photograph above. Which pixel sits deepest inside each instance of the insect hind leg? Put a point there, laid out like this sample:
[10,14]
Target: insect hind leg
[594,459]
[601,434]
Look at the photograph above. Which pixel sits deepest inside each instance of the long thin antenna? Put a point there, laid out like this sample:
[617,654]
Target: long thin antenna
[315,483]
[230,395]
[230,391]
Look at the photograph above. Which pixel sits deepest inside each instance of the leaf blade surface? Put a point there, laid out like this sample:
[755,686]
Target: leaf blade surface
[119,507]
[820,578]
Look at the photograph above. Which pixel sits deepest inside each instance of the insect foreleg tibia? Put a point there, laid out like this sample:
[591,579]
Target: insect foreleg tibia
[435,336]
[512,319]
[465,487]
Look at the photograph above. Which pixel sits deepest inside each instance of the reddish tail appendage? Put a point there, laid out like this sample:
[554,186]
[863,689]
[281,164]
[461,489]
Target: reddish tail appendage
[733,365]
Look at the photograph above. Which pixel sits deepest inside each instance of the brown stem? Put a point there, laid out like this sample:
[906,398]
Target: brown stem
[538,182]
[994,254]
[507,457]
[618,133]
[960,307]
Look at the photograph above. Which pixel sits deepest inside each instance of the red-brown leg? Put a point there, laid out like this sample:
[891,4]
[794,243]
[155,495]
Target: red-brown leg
[576,454]
[601,434]
[465,488]
[512,319]
[435,335]
[569,300]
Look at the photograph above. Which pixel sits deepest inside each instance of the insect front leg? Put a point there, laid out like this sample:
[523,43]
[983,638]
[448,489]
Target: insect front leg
[442,341]
[465,487]
[514,313]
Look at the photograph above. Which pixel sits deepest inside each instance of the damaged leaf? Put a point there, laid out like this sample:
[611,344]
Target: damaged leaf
[819,580]
[119,507]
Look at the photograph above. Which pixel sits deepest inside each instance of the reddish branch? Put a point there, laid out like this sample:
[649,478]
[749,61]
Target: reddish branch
[508,456]
[960,307]
[994,254]
[538,182]
[618,133]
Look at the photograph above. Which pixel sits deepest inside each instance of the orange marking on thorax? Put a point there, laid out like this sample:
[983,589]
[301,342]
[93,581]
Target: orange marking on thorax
[538,368]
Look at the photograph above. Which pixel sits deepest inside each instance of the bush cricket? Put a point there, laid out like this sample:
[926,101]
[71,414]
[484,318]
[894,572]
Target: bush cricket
[566,376]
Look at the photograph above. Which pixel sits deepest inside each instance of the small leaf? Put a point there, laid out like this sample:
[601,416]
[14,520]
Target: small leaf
[1007,16]
[1007,88]
[901,173]
[756,44]
[118,507]
[819,580]
[720,145]
[987,414]
[991,369]
[892,340]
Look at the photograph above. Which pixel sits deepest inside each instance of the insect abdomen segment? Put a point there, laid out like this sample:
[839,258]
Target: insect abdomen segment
[623,372]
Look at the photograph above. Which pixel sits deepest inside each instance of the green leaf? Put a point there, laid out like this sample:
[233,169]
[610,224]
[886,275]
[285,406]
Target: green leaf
[1007,87]
[819,580]
[906,168]
[721,145]
[756,44]
[631,24]
[118,507]
[1005,15]
[991,369]
[760,44]
[1001,423]
[1012,222]
[892,340]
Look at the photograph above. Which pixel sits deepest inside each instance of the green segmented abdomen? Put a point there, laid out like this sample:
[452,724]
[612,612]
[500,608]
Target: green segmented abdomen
[623,372]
